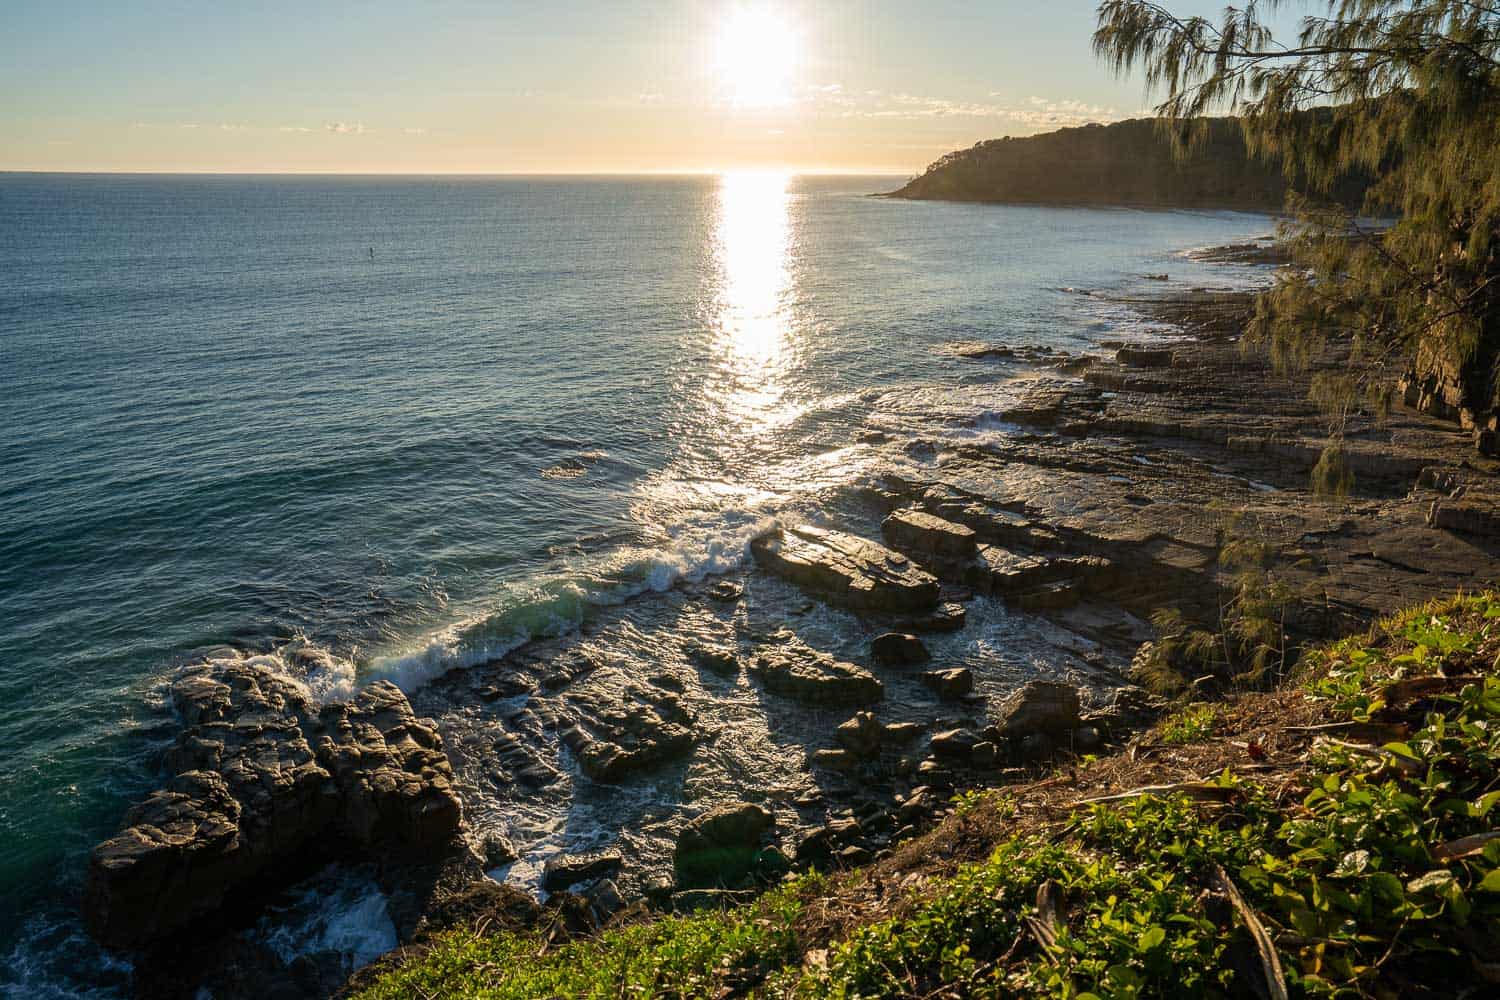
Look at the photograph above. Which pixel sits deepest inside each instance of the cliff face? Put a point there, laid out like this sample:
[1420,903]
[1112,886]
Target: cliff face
[1129,163]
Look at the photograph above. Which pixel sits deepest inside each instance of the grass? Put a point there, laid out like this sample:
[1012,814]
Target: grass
[1189,724]
[1356,861]
[686,956]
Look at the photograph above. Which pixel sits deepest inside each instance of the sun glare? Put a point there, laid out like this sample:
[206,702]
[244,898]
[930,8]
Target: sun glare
[756,58]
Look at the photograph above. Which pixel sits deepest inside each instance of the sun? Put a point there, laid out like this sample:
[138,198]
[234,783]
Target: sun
[756,58]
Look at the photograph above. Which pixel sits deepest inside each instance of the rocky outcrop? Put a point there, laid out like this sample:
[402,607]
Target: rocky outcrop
[1039,707]
[848,570]
[793,669]
[718,848]
[264,781]
[619,735]
[928,538]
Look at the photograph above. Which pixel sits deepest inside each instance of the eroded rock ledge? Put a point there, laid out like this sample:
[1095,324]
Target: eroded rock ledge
[262,781]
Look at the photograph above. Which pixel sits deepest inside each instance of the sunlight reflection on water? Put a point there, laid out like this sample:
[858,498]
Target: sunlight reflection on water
[752,247]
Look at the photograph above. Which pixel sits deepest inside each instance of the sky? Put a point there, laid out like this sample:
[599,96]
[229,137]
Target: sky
[562,86]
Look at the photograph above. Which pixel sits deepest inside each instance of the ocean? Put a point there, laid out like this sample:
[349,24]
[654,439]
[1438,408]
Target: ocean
[419,421]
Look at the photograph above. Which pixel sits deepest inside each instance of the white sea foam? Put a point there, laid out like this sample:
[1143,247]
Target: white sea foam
[344,913]
[555,607]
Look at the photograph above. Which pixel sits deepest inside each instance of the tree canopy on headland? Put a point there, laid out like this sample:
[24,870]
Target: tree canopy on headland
[1407,91]
[1127,163]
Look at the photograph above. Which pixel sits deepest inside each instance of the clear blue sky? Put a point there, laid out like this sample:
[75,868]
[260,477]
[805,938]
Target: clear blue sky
[566,85]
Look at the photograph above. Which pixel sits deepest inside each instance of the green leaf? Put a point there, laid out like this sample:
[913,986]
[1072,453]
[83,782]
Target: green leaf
[1151,938]
[1491,882]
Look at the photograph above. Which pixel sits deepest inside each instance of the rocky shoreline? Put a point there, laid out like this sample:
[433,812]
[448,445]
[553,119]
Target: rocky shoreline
[1087,518]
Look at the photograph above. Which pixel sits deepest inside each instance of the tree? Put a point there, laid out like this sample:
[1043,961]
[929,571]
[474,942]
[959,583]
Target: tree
[1405,91]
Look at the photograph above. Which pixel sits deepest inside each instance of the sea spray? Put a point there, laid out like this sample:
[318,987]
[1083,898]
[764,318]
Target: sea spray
[557,606]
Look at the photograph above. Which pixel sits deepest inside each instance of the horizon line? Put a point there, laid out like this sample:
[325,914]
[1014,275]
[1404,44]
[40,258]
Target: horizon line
[660,172]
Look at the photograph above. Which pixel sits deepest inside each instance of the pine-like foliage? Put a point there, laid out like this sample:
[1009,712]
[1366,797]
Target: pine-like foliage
[1406,91]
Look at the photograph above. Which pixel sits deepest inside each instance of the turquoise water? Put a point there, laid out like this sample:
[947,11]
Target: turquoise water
[415,421]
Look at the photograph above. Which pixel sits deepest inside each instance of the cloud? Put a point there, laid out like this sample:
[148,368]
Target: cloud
[875,104]
[345,128]
[295,128]
[414,131]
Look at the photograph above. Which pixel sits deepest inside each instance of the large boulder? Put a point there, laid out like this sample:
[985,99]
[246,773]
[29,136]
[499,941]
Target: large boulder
[1039,707]
[719,848]
[855,572]
[262,782]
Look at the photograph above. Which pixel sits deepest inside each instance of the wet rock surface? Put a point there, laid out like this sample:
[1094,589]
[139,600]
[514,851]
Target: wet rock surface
[847,569]
[264,781]
[791,668]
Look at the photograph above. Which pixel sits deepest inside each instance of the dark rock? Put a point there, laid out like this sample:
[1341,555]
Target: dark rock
[720,847]
[950,684]
[920,805]
[1144,357]
[1477,515]
[816,847]
[935,773]
[897,649]
[1048,597]
[793,669]
[984,754]
[566,870]
[606,899]
[998,570]
[954,743]
[1131,711]
[900,732]
[862,734]
[853,856]
[950,616]
[980,352]
[263,781]
[845,829]
[1039,706]
[852,571]
[615,737]
[1036,746]
[497,850]
[926,535]
[712,658]
[835,760]
[726,592]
